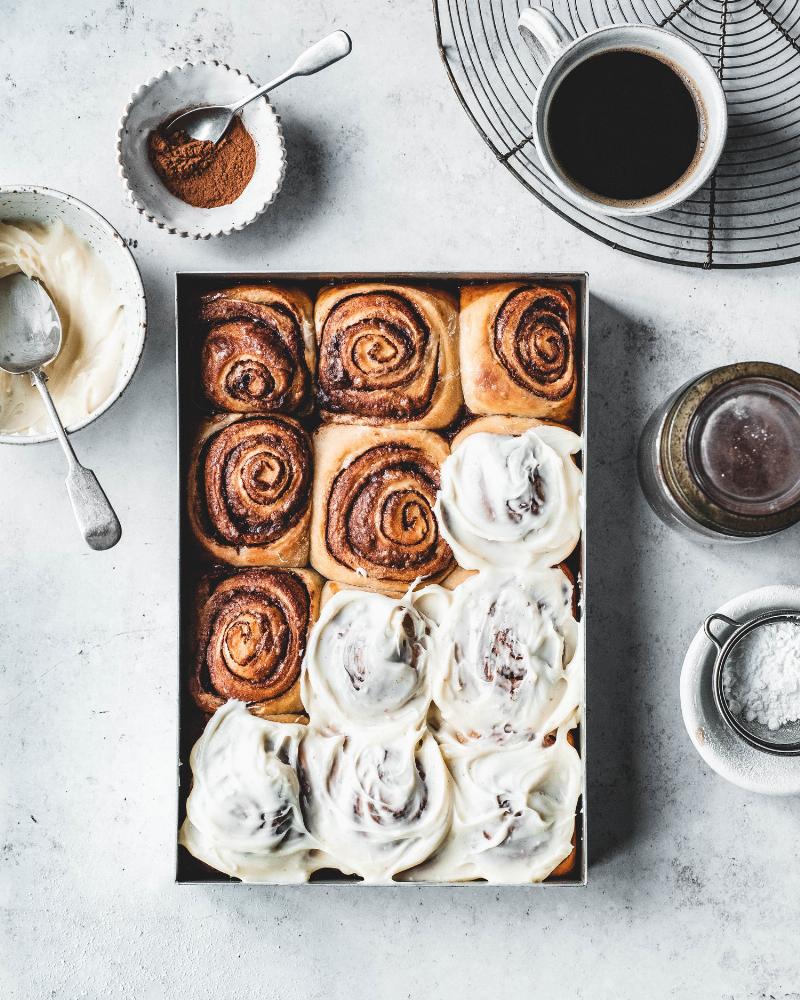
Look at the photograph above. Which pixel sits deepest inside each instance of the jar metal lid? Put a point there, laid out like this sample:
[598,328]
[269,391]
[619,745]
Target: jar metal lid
[679,475]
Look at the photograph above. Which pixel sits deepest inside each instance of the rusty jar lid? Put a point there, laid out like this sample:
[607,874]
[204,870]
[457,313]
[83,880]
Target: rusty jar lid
[730,449]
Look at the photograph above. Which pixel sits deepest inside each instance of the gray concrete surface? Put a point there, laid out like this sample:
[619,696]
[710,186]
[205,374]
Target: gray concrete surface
[694,885]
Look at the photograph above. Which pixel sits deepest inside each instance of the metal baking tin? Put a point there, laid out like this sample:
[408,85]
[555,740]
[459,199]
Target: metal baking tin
[187,285]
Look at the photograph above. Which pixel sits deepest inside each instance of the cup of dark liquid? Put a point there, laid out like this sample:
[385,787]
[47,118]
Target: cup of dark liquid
[628,119]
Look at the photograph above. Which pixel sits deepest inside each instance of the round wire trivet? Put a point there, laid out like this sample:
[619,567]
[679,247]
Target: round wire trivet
[748,215]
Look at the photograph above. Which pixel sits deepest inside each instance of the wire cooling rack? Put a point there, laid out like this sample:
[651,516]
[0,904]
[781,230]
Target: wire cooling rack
[748,215]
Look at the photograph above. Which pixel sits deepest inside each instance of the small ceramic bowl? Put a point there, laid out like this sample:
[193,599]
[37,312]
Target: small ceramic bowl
[45,206]
[178,89]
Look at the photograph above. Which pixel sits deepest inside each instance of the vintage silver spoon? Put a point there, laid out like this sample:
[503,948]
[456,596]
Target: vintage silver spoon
[30,338]
[211,122]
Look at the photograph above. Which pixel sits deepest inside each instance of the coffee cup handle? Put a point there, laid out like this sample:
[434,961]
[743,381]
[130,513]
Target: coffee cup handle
[544,34]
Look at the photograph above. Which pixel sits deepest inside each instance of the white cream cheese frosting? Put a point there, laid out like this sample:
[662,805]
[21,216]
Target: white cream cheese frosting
[513,815]
[243,814]
[505,660]
[379,804]
[95,327]
[512,500]
[366,663]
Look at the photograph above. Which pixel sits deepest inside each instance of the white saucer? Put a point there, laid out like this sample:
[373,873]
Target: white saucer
[717,744]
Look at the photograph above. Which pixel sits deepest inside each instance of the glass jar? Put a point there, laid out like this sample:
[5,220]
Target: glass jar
[721,457]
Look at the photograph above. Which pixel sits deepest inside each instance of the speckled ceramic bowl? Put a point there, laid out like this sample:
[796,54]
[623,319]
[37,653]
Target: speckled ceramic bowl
[178,89]
[25,203]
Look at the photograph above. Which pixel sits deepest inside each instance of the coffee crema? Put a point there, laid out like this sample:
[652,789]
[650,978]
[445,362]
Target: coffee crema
[624,126]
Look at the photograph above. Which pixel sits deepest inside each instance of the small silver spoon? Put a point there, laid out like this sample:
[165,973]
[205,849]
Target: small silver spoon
[210,123]
[30,338]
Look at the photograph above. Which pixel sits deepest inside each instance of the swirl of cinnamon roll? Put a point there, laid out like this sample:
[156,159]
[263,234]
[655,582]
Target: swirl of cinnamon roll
[518,349]
[251,637]
[534,341]
[250,489]
[511,498]
[373,513]
[505,664]
[514,812]
[380,805]
[387,355]
[243,814]
[367,663]
[258,355]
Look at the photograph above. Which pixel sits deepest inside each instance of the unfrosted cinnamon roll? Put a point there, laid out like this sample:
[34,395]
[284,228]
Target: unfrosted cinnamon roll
[505,666]
[387,355]
[367,663]
[511,494]
[252,629]
[518,349]
[258,356]
[373,523]
[379,804]
[249,490]
[513,815]
[243,814]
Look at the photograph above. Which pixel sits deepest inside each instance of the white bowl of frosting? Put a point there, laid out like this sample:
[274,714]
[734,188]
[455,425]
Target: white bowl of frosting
[91,276]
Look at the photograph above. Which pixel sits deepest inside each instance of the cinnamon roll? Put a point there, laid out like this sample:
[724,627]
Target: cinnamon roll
[513,815]
[387,355]
[511,494]
[373,523]
[367,663]
[249,490]
[258,355]
[252,630]
[518,350]
[379,804]
[243,813]
[505,667]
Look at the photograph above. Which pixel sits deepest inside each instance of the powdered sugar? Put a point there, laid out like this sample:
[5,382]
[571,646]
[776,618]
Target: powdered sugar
[761,680]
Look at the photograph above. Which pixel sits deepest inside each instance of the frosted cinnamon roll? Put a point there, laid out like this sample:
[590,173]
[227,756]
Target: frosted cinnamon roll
[373,523]
[252,629]
[511,494]
[379,804]
[518,350]
[243,814]
[513,815]
[505,666]
[387,355]
[249,490]
[367,663]
[258,355]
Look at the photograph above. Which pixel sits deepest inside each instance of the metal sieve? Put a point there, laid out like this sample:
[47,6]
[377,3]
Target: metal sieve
[785,740]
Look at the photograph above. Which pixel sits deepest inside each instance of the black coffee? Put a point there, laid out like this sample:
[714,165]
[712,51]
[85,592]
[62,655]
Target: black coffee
[624,125]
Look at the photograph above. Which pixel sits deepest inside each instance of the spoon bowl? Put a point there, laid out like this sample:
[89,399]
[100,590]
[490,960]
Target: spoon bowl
[206,124]
[34,342]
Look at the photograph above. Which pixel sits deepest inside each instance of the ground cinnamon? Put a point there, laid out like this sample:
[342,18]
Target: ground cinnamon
[201,173]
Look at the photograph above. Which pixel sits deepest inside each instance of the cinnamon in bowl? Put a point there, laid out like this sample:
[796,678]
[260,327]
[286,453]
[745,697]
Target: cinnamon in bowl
[202,173]
[259,170]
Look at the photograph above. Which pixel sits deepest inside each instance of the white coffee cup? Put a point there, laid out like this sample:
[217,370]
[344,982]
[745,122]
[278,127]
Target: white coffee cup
[560,53]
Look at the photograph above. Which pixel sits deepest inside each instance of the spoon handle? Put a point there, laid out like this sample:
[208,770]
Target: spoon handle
[320,55]
[95,516]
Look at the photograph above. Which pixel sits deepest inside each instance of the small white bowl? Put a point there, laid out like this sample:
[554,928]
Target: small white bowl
[175,90]
[43,206]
